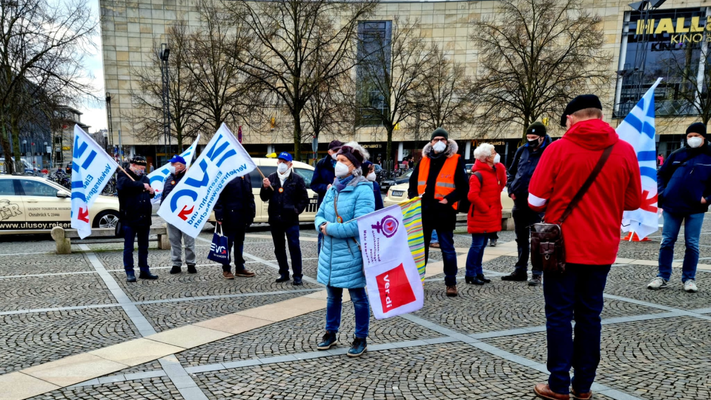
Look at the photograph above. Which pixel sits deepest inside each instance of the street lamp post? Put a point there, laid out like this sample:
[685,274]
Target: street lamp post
[164,54]
[108,117]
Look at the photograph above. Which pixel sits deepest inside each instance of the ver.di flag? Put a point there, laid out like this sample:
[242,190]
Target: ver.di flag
[91,170]
[393,281]
[189,204]
[638,130]
[157,177]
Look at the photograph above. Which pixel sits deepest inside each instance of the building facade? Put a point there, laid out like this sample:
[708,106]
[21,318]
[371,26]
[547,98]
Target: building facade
[642,45]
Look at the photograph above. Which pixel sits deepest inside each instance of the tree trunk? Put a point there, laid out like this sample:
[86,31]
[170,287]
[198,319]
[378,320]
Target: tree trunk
[526,123]
[297,133]
[389,147]
[15,129]
[7,150]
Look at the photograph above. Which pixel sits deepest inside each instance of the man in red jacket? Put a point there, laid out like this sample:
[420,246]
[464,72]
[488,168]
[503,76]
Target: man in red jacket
[591,234]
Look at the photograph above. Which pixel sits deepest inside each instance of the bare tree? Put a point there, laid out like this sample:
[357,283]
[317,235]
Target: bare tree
[147,100]
[41,47]
[535,56]
[332,108]
[298,46]
[389,69]
[444,93]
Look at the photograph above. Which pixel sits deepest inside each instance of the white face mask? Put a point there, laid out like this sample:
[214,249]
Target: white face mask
[439,147]
[333,156]
[282,168]
[371,177]
[171,169]
[341,170]
[695,142]
[497,158]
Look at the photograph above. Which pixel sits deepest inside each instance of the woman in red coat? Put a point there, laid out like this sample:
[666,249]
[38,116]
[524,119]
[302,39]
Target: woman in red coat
[484,215]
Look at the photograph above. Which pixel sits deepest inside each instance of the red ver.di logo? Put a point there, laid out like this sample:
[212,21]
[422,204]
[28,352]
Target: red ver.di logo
[394,288]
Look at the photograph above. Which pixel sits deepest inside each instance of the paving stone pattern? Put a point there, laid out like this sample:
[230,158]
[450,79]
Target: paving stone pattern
[42,264]
[153,388]
[53,291]
[298,335]
[36,338]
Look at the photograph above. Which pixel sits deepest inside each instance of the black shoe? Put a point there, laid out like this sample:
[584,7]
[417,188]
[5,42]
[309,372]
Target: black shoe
[130,277]
[469,279]
[282,278]
[327,341]
[191,269]
[147,275]
[515,276]
[492,243]
[358,347]
[474,280]
[482,278]
[175,269]
[297,281]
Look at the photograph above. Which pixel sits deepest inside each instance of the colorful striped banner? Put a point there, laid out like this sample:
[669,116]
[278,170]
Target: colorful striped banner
[412,218]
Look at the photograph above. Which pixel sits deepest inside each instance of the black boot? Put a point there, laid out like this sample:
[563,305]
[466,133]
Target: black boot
[327,341]
[191,269]
[146,274]
[130,276]
[297,281]
[358,347]
[516,276]
[482,278]
[175,270]
[282,278]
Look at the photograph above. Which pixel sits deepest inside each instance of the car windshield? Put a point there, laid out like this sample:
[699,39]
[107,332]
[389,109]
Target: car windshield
[307,174]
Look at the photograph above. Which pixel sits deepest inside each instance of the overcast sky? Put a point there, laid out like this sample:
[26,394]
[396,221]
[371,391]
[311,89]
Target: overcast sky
[94,111]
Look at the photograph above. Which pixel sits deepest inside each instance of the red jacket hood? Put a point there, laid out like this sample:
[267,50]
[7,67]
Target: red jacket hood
[592,134]
[481,166]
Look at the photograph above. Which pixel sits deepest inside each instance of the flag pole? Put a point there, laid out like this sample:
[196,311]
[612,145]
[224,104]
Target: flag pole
[264,177]
[127,174]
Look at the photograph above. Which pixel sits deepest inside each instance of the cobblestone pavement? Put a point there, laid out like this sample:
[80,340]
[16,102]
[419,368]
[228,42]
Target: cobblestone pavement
[487,343]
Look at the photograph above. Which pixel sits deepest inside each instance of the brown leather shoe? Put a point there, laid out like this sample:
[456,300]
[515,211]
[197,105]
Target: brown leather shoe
[434,245]
[228,275]
[544,391]
[452,291]
[581,396]
[244,273]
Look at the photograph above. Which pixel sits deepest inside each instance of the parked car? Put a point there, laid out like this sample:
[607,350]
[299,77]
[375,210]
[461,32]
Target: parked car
[387,183]
[268,166]
[31,204]
[28,168]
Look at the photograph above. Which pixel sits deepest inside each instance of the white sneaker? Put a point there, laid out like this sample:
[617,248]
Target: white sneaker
[657,283]
[690,286]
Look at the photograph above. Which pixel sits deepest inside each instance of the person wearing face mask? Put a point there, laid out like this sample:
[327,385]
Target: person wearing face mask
[441,181]
[285,191]
[135,194]
[519,174]
[684,184]
[324,175]
[340,264]
[369,173]
[502,180]
[484,216]
[175,235]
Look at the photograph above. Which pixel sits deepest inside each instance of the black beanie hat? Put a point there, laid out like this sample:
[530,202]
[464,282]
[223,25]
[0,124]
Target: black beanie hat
[335,145]
[536,128]
[697,127]
[580,103]
[353,155]
[439,132]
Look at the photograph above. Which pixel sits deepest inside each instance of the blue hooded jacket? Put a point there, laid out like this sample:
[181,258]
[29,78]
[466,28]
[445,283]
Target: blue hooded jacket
[684,179]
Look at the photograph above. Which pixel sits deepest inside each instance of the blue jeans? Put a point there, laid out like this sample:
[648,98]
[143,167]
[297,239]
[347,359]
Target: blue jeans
[523,218]
[292,236]
[575,294]
[360,305]
[435,239]
[670,232]
[129,236]
[476,254]
[449,255]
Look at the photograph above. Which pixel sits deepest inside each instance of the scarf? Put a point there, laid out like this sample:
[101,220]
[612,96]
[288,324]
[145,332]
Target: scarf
[283,177]
[341,184]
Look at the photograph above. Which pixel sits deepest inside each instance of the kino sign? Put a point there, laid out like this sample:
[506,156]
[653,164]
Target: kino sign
[675,27]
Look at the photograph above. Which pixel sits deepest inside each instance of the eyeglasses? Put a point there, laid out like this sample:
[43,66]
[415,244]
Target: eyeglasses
[439,140]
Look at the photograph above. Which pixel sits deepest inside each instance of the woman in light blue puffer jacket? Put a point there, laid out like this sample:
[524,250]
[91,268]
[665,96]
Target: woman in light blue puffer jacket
[340,265]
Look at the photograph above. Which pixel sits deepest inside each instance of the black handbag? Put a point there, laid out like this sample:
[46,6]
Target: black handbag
[547,246]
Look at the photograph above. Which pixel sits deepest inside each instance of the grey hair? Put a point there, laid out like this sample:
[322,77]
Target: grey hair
[355,146]
[484,151]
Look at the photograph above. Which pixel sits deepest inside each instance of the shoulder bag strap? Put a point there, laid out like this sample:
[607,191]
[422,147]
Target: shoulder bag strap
[578,196]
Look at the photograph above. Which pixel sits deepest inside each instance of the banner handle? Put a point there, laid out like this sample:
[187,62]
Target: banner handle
[264,177]
[127,174]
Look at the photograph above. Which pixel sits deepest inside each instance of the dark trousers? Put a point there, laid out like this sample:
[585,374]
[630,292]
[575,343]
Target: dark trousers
[292,238]
[574,295]
[235,239]
[449,255]
[129,236]
[523,218]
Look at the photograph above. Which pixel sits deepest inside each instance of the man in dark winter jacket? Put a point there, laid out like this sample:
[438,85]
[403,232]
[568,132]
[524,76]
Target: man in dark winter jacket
[286,193]
[519,176]
[235,211]
[323,177]
[684,184]
[440,179]
[175,235]
[135,194]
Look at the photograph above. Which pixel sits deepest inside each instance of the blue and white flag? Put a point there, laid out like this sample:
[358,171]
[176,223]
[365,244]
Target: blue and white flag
[189,204]
[91,170]
[638,130]
[158,176]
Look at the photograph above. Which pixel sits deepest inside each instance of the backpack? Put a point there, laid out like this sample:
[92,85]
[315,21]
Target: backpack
[464,204]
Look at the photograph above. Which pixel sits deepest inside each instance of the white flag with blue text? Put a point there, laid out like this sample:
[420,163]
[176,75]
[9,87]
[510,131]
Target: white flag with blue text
[189,204]
[638,130]
[91,170]
[157,177]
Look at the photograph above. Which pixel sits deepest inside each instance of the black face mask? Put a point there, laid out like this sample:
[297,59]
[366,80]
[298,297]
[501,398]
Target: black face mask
[533,143]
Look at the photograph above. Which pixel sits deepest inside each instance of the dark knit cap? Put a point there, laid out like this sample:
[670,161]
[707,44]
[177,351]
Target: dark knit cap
[366,167]
[353,155]
[697,127]
[335,145]
[439,132]
[139,160]
[580,103]
[536,128]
